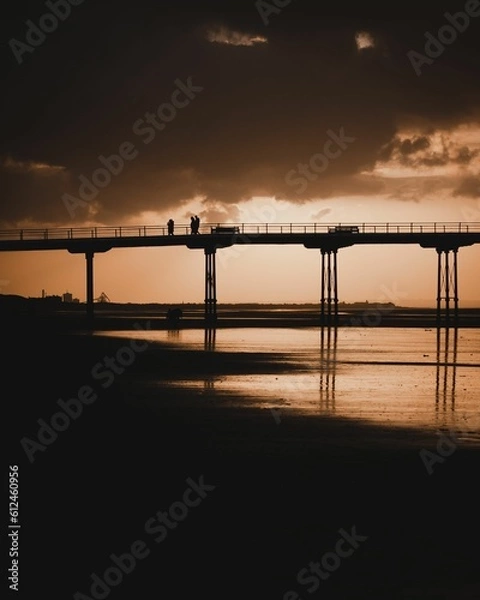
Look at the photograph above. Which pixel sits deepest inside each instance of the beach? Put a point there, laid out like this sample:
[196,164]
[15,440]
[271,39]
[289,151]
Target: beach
[277,489]
[239,300]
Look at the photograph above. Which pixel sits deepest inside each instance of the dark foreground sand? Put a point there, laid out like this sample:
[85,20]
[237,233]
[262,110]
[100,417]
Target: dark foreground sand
[282,491]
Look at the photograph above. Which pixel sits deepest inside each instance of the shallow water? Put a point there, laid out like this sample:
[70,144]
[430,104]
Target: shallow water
[391,377]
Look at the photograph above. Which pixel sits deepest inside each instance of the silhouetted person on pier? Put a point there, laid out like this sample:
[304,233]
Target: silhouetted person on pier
[197,223]
[170,225]
[192,225]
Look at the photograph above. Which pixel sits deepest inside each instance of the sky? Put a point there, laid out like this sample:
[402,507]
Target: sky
[300,111]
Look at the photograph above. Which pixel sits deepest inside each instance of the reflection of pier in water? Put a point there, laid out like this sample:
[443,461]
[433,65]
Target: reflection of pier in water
[328,367]
[446,377]
[209,347]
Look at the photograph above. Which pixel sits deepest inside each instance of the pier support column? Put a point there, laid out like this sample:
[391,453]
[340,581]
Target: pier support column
[329,292]
[90,296]
[447,287]
[210,285]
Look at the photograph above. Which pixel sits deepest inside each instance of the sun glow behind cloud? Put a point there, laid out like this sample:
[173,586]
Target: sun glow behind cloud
[416,163]
[364,40]
[38,168]
[223,35]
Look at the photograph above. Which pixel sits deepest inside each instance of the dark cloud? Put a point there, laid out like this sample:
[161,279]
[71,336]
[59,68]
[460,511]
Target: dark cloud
[215,212]
[412,146]
[321,214]
[469,188]
[264,109]
[405,147]
[465,155]
[418,152]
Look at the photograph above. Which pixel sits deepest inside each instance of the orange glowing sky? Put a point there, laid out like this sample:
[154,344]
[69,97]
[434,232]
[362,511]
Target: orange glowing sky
[317,117]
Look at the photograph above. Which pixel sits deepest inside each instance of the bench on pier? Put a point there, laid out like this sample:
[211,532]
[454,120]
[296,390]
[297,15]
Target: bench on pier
[230,230]
[344,229]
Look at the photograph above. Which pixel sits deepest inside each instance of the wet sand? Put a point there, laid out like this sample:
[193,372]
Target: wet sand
[283,490]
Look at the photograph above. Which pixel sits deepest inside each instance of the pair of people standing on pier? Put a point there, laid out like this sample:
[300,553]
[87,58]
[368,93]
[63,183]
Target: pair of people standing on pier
[194,224]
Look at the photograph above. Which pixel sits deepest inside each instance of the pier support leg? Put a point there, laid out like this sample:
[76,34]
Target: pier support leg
[90,296]
[210,285]
[455,286]
[329,288]
[447,287]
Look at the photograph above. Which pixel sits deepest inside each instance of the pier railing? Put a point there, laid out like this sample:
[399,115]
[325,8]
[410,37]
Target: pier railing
[131,231]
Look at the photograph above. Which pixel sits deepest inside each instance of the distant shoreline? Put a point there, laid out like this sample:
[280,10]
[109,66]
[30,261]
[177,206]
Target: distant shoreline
[55,304]
[52,314]
[116,322]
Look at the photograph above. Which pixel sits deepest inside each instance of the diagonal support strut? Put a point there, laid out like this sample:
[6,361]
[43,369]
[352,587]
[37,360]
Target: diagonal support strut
[329,287]
[447,287]
[210,285]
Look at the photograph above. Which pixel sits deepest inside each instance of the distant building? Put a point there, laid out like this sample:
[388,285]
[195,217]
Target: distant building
[67,297]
